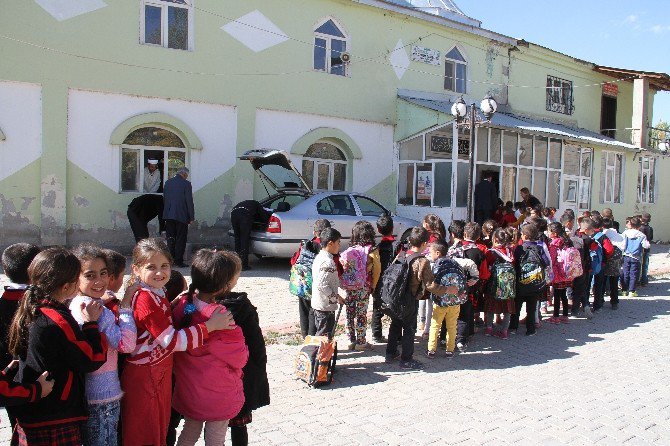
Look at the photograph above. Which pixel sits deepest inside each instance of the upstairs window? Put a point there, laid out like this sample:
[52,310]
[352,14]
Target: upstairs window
[559,95]
[455,71]
[167,23]
[329,44]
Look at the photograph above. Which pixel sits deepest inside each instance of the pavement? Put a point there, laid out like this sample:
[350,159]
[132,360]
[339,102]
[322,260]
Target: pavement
[593,381]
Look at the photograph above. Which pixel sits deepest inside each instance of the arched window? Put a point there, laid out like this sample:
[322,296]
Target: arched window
[329,44]
[166,151]
[455,71]
[324,167]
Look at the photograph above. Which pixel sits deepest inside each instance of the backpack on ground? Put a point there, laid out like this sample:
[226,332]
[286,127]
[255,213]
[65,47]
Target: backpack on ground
[531,279]
[569,262]
[597,256]
[315,362]
[614,263]
[354,261]
[502,284]
[300,278]
[397,299]
[448,273]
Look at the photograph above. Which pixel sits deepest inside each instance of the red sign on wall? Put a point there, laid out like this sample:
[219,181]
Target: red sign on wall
[610,89]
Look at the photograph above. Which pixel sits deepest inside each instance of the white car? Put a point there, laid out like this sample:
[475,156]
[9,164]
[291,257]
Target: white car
[295,208]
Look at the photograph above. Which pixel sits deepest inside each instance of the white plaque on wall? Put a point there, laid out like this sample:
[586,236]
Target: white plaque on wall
[425,55]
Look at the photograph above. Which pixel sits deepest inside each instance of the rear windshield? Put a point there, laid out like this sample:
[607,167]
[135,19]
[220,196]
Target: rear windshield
[284,203]
[281,176]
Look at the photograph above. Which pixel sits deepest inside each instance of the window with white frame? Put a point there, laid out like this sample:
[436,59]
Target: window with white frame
[559,95]
[167,23]
[330,42]
[324,167]
[646,180]
[455,71]
[611,180]
[150,143]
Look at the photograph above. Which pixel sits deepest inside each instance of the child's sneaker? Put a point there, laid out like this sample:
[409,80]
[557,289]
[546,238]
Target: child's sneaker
[412,364]
[392,357]
[430,354]
[554,320]
[531,333]
[351,347]
[632,294]
[422,326]
[380,340]
[623,293]
[489,331]
[502,334]
[564,320]
[449,355]
[588,313]
[462,347]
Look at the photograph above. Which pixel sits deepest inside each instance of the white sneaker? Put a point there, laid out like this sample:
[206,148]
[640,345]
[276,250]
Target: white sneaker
[588,313]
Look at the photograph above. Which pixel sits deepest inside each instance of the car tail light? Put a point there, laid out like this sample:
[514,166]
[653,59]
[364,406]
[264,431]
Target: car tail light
[274,225]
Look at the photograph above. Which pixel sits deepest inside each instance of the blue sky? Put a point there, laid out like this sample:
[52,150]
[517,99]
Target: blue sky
[632,34]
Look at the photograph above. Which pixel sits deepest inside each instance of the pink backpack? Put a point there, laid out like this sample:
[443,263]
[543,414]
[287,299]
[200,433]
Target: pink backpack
[354,261]
[569,264]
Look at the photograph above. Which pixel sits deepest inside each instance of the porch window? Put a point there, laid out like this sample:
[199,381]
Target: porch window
[167,23]
[148,143]
[329,44]
[455,71]
[611,177]
[324,167]
[646,180]
[559,95]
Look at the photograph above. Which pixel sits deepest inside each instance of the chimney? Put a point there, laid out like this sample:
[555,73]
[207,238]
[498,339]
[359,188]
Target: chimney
[640,132]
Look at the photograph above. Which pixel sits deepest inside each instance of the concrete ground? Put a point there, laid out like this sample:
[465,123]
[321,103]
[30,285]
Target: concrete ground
[591,381]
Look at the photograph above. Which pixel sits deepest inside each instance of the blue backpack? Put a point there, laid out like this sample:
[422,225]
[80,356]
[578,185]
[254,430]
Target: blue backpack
[597,256]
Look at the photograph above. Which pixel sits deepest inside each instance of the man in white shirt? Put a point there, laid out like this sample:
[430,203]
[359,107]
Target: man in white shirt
[152,176]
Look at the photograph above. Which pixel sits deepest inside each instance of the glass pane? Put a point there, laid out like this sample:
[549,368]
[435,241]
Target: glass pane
[178,28]
[130,170]
[609,186]
[406,184]
[652,179]
[539,185]
[461,79]
[463,143]
[509,147]
[553,189]
[571,166]
[336,205]
[412,149]
[320,54]
[482,144]
[176,160]
[340,176]
[541,149]
[325,151]
[586,163]
[584,194]
[153,136]
[439,143]
[555,154]
[323,172]
[330,28]
[424,184]
[308,172]
[337,47]
[370,208]
[495,145]
[524,179]
[449,76]
[570,191]
[152,25]
[525,150]
[442,185]
[455,54]
[508,184]
[461,185]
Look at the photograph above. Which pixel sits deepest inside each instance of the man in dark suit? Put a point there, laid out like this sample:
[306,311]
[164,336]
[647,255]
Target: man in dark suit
[178,213]
[486,199]
[141,211]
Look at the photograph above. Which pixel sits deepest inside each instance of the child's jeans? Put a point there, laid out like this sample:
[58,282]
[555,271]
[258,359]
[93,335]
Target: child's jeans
[504,322]
[560,299]
[631,269]
[531,306]
[580,292]
[102,424]
[450,315]
[357,314]
[599,289]
[426,313]
[215,432]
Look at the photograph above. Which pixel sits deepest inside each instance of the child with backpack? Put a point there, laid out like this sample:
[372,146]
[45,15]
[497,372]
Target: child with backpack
[488,228]
[612,268]
[386,248]
[501,288]
[362,269]
[404,283]
[475,250]
[300,279]
[325,296]
[648,232]
[634,241]
[530,262]
[591,254]
[566,265]
[607,250]
[435,227]
[457,275]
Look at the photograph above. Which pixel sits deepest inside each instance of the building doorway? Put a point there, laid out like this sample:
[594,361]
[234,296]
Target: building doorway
[608,116]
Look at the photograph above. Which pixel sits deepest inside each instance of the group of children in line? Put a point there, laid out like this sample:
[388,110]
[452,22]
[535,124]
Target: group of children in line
[453,278]
[86,367]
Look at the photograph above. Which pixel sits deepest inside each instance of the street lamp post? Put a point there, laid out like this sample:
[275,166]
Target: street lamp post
[459,110]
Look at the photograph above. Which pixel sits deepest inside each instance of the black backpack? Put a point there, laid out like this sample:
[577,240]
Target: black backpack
[531,278]
[397,299]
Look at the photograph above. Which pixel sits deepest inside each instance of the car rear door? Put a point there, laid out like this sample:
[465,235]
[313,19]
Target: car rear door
[370,210]
[339,209]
